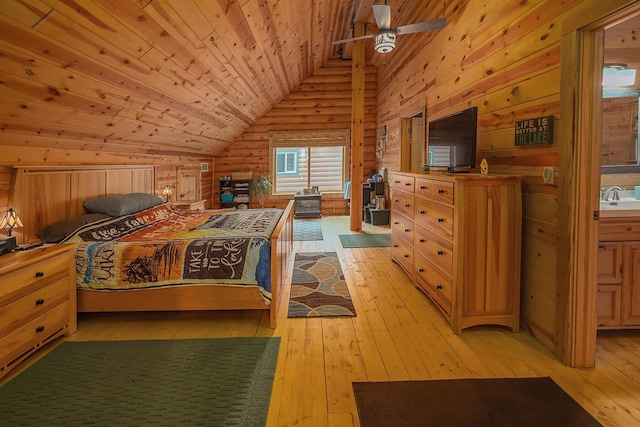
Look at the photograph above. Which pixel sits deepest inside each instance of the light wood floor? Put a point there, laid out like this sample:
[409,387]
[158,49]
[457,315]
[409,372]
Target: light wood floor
[397,335]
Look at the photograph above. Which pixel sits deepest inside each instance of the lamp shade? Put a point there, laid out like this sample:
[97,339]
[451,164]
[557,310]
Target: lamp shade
[385,41]
[10,220]
[167,192]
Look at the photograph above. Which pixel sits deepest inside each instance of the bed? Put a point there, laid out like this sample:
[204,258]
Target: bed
[154,259]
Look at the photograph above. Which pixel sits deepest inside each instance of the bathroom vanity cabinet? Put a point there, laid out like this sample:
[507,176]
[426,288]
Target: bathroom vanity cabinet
[618,300]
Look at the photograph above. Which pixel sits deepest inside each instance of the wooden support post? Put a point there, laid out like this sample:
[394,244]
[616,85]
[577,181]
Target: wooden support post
[357,128]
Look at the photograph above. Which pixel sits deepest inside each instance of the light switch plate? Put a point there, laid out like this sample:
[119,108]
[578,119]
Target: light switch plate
[547,175]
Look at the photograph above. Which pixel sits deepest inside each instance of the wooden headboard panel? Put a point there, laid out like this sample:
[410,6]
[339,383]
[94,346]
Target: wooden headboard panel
[43,195]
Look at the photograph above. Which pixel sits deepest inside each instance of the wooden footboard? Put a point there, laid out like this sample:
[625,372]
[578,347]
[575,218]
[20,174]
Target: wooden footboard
[281,254]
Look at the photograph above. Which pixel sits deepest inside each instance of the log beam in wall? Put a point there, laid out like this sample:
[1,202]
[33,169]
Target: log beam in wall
[357,128]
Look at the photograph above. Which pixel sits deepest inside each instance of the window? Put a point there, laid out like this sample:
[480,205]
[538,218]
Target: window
[309,158]
[286,162]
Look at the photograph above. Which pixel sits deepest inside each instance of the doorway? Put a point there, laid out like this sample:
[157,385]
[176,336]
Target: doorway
[413,145]
[580,152]
[620,166]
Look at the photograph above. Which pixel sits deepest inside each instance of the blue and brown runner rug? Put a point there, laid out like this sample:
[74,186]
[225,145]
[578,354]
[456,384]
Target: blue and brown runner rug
[318,287]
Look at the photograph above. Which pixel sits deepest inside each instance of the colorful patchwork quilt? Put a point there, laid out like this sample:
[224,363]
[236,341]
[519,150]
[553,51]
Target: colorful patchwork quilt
[162,246]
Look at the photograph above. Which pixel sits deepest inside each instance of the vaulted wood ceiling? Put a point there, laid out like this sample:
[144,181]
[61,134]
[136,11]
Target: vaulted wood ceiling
[176,77]
[158,76]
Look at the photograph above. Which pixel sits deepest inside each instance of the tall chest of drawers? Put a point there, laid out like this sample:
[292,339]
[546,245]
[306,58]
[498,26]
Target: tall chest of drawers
[37,301]
[459,238]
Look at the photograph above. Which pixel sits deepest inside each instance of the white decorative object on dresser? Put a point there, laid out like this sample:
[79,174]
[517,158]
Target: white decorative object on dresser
[458,236]
[37,301]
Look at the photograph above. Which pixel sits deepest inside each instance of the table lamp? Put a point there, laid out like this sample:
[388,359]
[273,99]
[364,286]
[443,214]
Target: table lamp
[10,220]
[167,192]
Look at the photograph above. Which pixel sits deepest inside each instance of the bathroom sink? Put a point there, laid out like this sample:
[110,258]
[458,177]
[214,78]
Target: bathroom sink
[622,204]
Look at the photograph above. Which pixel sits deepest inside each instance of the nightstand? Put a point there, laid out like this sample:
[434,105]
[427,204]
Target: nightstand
[37,301]
[194,205]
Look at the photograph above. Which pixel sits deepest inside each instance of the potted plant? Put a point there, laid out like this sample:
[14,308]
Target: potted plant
[261,186]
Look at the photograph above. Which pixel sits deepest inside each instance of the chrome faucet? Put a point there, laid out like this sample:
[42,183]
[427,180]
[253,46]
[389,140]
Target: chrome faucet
[615,189]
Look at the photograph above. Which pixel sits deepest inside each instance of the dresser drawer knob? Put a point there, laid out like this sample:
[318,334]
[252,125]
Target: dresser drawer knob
[421,270]
[440,253]
[406,230]
[407,205]
[440,219]
[422,187]
[601,246]
[422,240]
[39,273]
[408,184]
[396,182]
[395,246]
[396,222]
[40,301]
[422,212]
[396,201]
[406,255]
[39,329]
[441,191]
[439,286]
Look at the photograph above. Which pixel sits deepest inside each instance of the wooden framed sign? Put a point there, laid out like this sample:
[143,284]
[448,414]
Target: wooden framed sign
[538,131]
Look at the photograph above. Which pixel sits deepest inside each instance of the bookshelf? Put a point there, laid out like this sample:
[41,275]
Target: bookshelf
[235,193]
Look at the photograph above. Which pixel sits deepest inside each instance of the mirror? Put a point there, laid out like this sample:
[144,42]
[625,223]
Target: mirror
[620,94]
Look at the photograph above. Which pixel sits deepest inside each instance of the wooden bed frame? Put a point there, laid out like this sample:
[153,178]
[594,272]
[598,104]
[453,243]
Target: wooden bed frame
[43,195]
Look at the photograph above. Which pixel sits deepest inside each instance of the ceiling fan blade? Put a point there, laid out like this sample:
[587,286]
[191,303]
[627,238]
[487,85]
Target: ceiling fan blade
[382,13]
[419,27]
[367,36]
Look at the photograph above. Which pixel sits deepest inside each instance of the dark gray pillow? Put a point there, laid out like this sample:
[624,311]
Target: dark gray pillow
[56,232]
[123,204]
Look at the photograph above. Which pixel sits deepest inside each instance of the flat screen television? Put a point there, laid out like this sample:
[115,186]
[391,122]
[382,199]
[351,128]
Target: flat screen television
[451,143]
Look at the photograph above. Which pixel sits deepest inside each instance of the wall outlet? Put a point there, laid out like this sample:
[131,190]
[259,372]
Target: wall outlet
[547,175]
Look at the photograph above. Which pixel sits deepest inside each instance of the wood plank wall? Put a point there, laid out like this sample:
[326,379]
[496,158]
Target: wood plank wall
[5,185]
[619,131]
[504,58]
[322,101]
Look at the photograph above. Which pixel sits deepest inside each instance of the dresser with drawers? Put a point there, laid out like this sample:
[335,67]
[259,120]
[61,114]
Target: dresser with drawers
[37,301]
[458,236]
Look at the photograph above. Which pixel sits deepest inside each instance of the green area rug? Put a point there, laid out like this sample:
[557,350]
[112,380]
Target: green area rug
[318,288]
[213,382]
[521,402]
[365,240]
[307,230]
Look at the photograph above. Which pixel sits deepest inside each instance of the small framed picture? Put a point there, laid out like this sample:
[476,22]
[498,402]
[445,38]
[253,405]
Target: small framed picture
[204,167]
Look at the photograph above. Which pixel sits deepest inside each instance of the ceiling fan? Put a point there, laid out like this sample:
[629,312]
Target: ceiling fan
[384,40]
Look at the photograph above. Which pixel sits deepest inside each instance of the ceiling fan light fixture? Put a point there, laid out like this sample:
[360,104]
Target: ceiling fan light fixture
[385,41]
